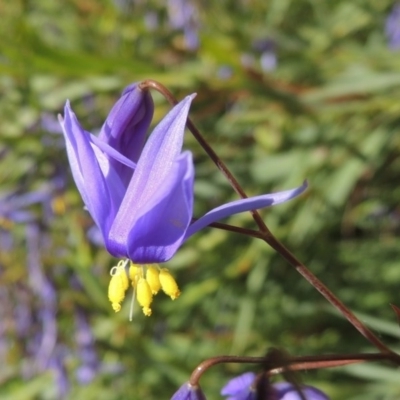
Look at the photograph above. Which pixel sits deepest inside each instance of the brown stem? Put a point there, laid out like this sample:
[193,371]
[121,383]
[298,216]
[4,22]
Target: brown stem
[333,299]
[315,362]
[236,229]
[290,363]
[267,236]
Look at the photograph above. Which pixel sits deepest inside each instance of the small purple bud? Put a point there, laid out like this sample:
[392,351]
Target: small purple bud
[189,392]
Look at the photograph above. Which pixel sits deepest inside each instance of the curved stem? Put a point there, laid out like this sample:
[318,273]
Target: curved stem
[266,234]
[205,365]
[333,299]
[274,367]
[315,362]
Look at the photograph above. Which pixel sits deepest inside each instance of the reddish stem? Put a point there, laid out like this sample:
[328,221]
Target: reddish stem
[288,364]
[266,234]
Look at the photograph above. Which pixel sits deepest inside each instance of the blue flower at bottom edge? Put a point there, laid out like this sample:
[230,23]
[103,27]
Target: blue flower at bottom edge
[243,387]
[188,392]
[392,27]
[140,194]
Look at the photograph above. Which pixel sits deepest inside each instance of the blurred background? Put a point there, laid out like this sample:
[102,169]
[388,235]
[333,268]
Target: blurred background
[287,90]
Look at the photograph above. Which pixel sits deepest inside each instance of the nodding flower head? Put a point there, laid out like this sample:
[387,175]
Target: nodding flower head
[189,392]
[146,281]
[246,387]
[140,193]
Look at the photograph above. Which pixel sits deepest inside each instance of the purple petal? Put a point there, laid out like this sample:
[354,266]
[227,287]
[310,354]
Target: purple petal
[286,391]
[91,172]
[392,28]
[126,126]
[112,153]
[157,207]
[238,206]
[188,392]
[161,229]
[238,384]
[160,223]
[162,149]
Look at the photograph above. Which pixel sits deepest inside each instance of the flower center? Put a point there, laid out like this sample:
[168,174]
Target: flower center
[146,280]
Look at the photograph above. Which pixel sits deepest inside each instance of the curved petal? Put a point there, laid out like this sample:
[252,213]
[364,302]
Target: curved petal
[286,391]
[159,226]
[238,206]
[188,392]
[154,172]
[89,170]
[238,384]
[126,126]
[112,153]
[114,184]
[160,152]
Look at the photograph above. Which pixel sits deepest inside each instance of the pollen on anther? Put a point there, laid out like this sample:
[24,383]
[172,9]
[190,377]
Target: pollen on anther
[135,272]
[168,284]
[122,274]
[144,296]
[116,289]
[146,311]
[152,278]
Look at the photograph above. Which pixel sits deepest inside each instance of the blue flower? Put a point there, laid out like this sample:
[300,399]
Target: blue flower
[243,387]
[392,28]
[286,391]
[140,193]
[188,392]
[141,196]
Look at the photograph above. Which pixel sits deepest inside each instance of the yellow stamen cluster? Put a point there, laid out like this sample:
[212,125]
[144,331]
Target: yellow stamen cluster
[146,281]
[118,285]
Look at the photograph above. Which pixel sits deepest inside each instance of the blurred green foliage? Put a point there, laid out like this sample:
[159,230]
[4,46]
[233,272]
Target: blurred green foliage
[328,111]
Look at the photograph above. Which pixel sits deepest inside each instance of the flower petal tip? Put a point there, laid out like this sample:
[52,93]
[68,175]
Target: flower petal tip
[189,392]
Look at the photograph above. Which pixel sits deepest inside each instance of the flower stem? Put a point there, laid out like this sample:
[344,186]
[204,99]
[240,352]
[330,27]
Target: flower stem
[328,294]
[236,229]
[266,235]
[274,366]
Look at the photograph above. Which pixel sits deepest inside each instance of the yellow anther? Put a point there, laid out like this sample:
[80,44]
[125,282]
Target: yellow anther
[144,296]
[168,284]
[147,279]
[122,272]
[146,311]
[135,272]
[116,306]
[134,269]
[116,288]
[152,278]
